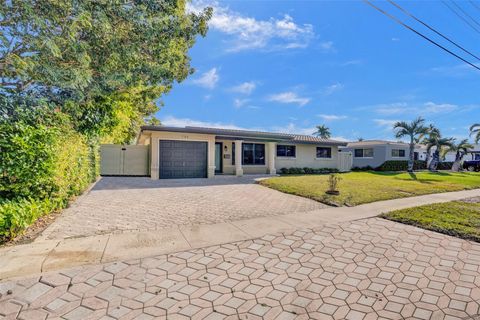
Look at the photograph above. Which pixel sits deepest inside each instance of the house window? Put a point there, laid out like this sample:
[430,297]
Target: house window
[253,154]
[364,153]
[399,153]
[286,151]
[323,152]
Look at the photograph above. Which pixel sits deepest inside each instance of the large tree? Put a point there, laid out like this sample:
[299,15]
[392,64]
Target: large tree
[90,56]
[414,130]
[427,141]
[461,149]
[440,144]
[323,132]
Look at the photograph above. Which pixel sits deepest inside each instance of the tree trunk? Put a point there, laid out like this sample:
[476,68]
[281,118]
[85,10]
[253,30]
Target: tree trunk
[427,159]
[458,160]
[411,157]
[435,160]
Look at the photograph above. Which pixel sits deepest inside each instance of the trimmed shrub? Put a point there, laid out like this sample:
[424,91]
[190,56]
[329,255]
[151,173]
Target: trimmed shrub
[400,165]
[445,165]
[307,170]
[366,168]
[44,163]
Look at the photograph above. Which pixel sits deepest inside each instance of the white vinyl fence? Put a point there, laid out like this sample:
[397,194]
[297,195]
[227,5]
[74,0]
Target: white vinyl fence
[345,161]
[120,160]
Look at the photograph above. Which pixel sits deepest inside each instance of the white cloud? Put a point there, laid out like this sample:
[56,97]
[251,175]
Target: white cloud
[431,107]
[184,122]
[208,79]
[425,109]
[293,128]
[393,108]
[289,97]
[395,39]
[289,128]
[238,103]
[249,33]
[385,123]
[331,89]
[327,46]
[245,88]
[332,117]
[351,63]
[455,71]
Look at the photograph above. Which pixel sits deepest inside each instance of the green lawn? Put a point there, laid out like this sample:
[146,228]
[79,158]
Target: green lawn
[457,218]
[364,187]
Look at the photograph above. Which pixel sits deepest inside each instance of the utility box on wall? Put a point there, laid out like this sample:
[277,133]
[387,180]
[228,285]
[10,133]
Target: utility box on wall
[120,160]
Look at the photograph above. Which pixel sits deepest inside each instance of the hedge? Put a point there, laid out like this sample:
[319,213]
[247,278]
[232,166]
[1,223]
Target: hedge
[401,165]
[44,163]
[307,170]
[16,215]
[445,165]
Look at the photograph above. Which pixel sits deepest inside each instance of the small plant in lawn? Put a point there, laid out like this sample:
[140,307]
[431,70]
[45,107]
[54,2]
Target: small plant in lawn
[333,180]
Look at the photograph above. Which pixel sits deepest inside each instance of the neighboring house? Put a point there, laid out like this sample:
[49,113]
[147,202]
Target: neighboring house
[374,153]
[450,156]
[195,152]
[473,154]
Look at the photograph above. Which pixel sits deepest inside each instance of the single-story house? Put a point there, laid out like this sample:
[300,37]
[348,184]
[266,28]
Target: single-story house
[374,153]
[195,152]
[473,154]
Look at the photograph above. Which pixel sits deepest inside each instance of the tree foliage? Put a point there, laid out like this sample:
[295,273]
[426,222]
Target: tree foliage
[475,131]
[414,130]
[323,132]
[88,56]
[460,148]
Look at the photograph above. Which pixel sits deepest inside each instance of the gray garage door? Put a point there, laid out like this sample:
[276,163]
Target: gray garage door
[183,159]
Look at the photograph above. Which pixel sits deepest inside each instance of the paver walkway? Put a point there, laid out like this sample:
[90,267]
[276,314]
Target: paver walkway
[48,255]
[129,203]
[367,269]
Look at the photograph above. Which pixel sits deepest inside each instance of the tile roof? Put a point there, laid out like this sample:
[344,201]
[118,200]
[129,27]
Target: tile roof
[248,134]
[375,143]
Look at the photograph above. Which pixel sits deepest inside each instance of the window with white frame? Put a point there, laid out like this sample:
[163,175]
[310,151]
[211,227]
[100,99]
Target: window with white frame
[398,153]
[286,151]
[324,152]
[364,153]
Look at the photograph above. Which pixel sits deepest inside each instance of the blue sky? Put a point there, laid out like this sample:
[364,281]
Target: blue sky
[290,65]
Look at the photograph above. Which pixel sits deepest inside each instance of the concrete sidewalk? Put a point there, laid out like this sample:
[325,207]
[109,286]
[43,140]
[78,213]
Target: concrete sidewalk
[48,255]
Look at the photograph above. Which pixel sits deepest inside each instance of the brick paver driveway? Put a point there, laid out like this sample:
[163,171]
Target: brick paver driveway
[128,203]
[365,269]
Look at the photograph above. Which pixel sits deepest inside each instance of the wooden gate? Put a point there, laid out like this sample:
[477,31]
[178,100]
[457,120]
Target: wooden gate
[119,160]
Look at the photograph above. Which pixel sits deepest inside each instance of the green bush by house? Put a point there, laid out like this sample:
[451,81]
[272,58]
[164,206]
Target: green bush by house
[401,165]
[44,163]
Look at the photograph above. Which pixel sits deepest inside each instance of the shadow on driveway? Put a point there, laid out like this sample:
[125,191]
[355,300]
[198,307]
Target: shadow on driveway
[120,183]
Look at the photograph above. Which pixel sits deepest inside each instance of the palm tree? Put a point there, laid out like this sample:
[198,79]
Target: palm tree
[439,143]
[475,129]
[415,130]
[323,132]
[461,150]
[429,141]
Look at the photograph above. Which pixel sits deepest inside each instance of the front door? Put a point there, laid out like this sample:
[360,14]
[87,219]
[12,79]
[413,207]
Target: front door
[218,157]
